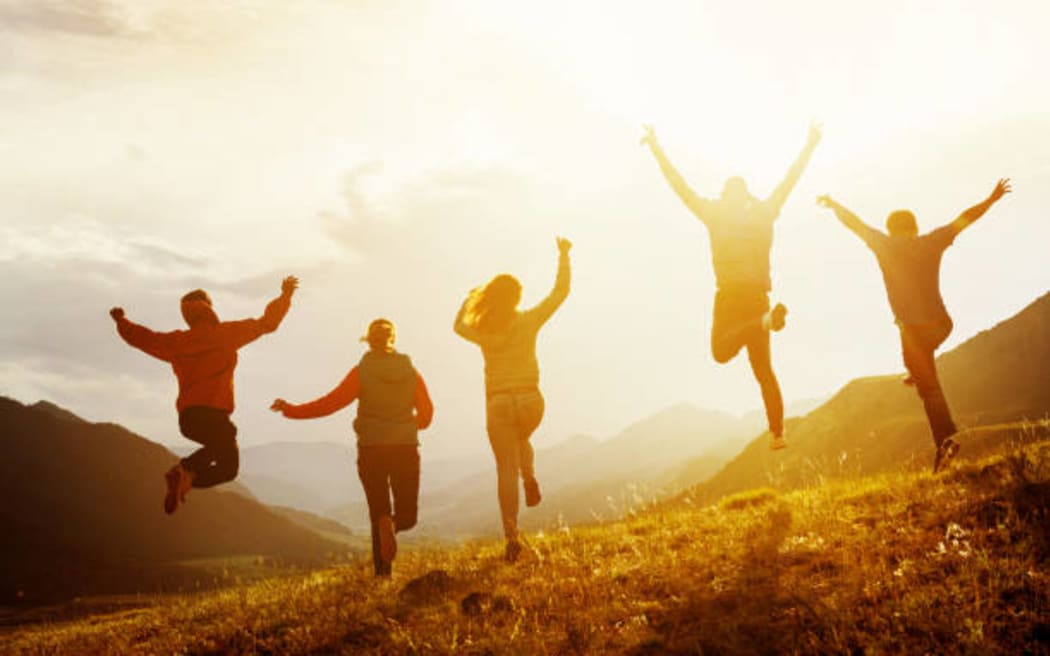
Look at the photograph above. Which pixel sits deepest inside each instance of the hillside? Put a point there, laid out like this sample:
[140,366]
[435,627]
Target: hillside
[80,512]
[877,424]
[896,563]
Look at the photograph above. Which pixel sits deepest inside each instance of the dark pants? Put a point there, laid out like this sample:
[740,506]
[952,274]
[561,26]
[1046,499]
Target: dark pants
[386,469]
[918,344]
[217,460]
[737,324]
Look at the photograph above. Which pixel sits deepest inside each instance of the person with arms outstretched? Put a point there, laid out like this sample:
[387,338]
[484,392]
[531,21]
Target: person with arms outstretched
[911,269]
[740,228]
[489,317]
[204,358]
[393,406]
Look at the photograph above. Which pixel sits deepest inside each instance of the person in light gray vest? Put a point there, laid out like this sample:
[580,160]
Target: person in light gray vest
[393,406]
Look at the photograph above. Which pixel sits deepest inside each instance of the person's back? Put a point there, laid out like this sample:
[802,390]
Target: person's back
[911,267]
[741,239]
[387,401]
[510,355]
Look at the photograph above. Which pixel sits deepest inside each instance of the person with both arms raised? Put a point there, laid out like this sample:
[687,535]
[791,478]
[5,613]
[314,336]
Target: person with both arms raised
[393,406]
[911,266]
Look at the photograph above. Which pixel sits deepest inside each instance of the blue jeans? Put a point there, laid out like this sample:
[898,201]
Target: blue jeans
[511,418]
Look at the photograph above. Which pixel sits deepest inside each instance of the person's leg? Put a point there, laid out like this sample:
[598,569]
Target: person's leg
[404,484]
[218,460]
[760,357]
[727,329]
[529,410]
[372,472]
[503,436]
[917,346]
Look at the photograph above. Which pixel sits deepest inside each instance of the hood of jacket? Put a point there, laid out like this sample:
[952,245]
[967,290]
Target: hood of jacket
[388,366]
[199,313]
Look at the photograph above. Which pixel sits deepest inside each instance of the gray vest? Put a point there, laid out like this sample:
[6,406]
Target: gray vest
[387,400]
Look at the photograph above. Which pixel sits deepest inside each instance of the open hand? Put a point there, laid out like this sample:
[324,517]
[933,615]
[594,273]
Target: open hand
[564,245]
[816,131]
[117,313]
[649,138]
[289,285]
[1001,189]
[279,405]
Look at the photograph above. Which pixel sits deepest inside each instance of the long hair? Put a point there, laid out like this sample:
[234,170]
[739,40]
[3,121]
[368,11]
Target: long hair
[491,308]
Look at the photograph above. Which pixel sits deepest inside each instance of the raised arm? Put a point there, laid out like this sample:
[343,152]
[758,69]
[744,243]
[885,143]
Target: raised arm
[779,196]
[159,345]
[962,221]
[239,333]
[848,218]
[343,395]
[543,311]
[694,202]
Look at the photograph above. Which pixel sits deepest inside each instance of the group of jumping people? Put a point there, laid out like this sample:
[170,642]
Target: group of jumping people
[394,405]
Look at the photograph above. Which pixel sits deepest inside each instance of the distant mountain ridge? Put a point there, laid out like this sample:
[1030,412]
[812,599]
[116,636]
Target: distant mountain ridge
[80,508]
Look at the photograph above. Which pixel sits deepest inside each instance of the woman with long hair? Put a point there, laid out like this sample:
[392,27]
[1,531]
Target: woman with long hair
[490,318]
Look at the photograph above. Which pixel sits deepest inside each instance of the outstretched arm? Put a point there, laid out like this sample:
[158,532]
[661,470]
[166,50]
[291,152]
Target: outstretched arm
[848,218]
[694,202]
[159,345]
[239,333]
[343,395]
[977,211]
[543,311]
[779,196]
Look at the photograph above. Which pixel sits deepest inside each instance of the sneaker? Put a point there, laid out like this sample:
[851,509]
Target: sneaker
[908,380]
[777,443]
[945,452]
[387,539]
[532,492]
[512,552]
[777,316]
[172,478]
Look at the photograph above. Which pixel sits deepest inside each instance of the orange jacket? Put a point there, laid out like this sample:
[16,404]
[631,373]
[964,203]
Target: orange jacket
[204,356]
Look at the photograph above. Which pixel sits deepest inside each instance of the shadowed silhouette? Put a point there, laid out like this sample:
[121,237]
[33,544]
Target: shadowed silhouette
[740,227]
[514,407]
[393,407]
[911,265]
[204,358]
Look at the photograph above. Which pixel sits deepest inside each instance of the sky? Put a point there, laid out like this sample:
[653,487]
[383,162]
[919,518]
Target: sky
[393,155]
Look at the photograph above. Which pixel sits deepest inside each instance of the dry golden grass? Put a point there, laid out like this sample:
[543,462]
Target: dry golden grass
[914,563]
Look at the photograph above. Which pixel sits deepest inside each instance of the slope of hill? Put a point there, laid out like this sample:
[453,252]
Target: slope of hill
[80,511]
[899,563]
[877,424]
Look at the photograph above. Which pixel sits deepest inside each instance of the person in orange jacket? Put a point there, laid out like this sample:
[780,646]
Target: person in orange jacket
[204,358]
[393,406]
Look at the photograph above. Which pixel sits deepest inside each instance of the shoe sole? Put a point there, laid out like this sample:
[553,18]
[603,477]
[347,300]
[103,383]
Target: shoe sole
[945,454]
[387,539]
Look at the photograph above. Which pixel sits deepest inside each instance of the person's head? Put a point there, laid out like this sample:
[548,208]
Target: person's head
[196,308]
[381,335]
[901,223]
[492,306]
[735,193]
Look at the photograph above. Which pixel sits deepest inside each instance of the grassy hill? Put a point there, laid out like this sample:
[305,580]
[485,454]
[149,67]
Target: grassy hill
[80,513]
[903,562]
